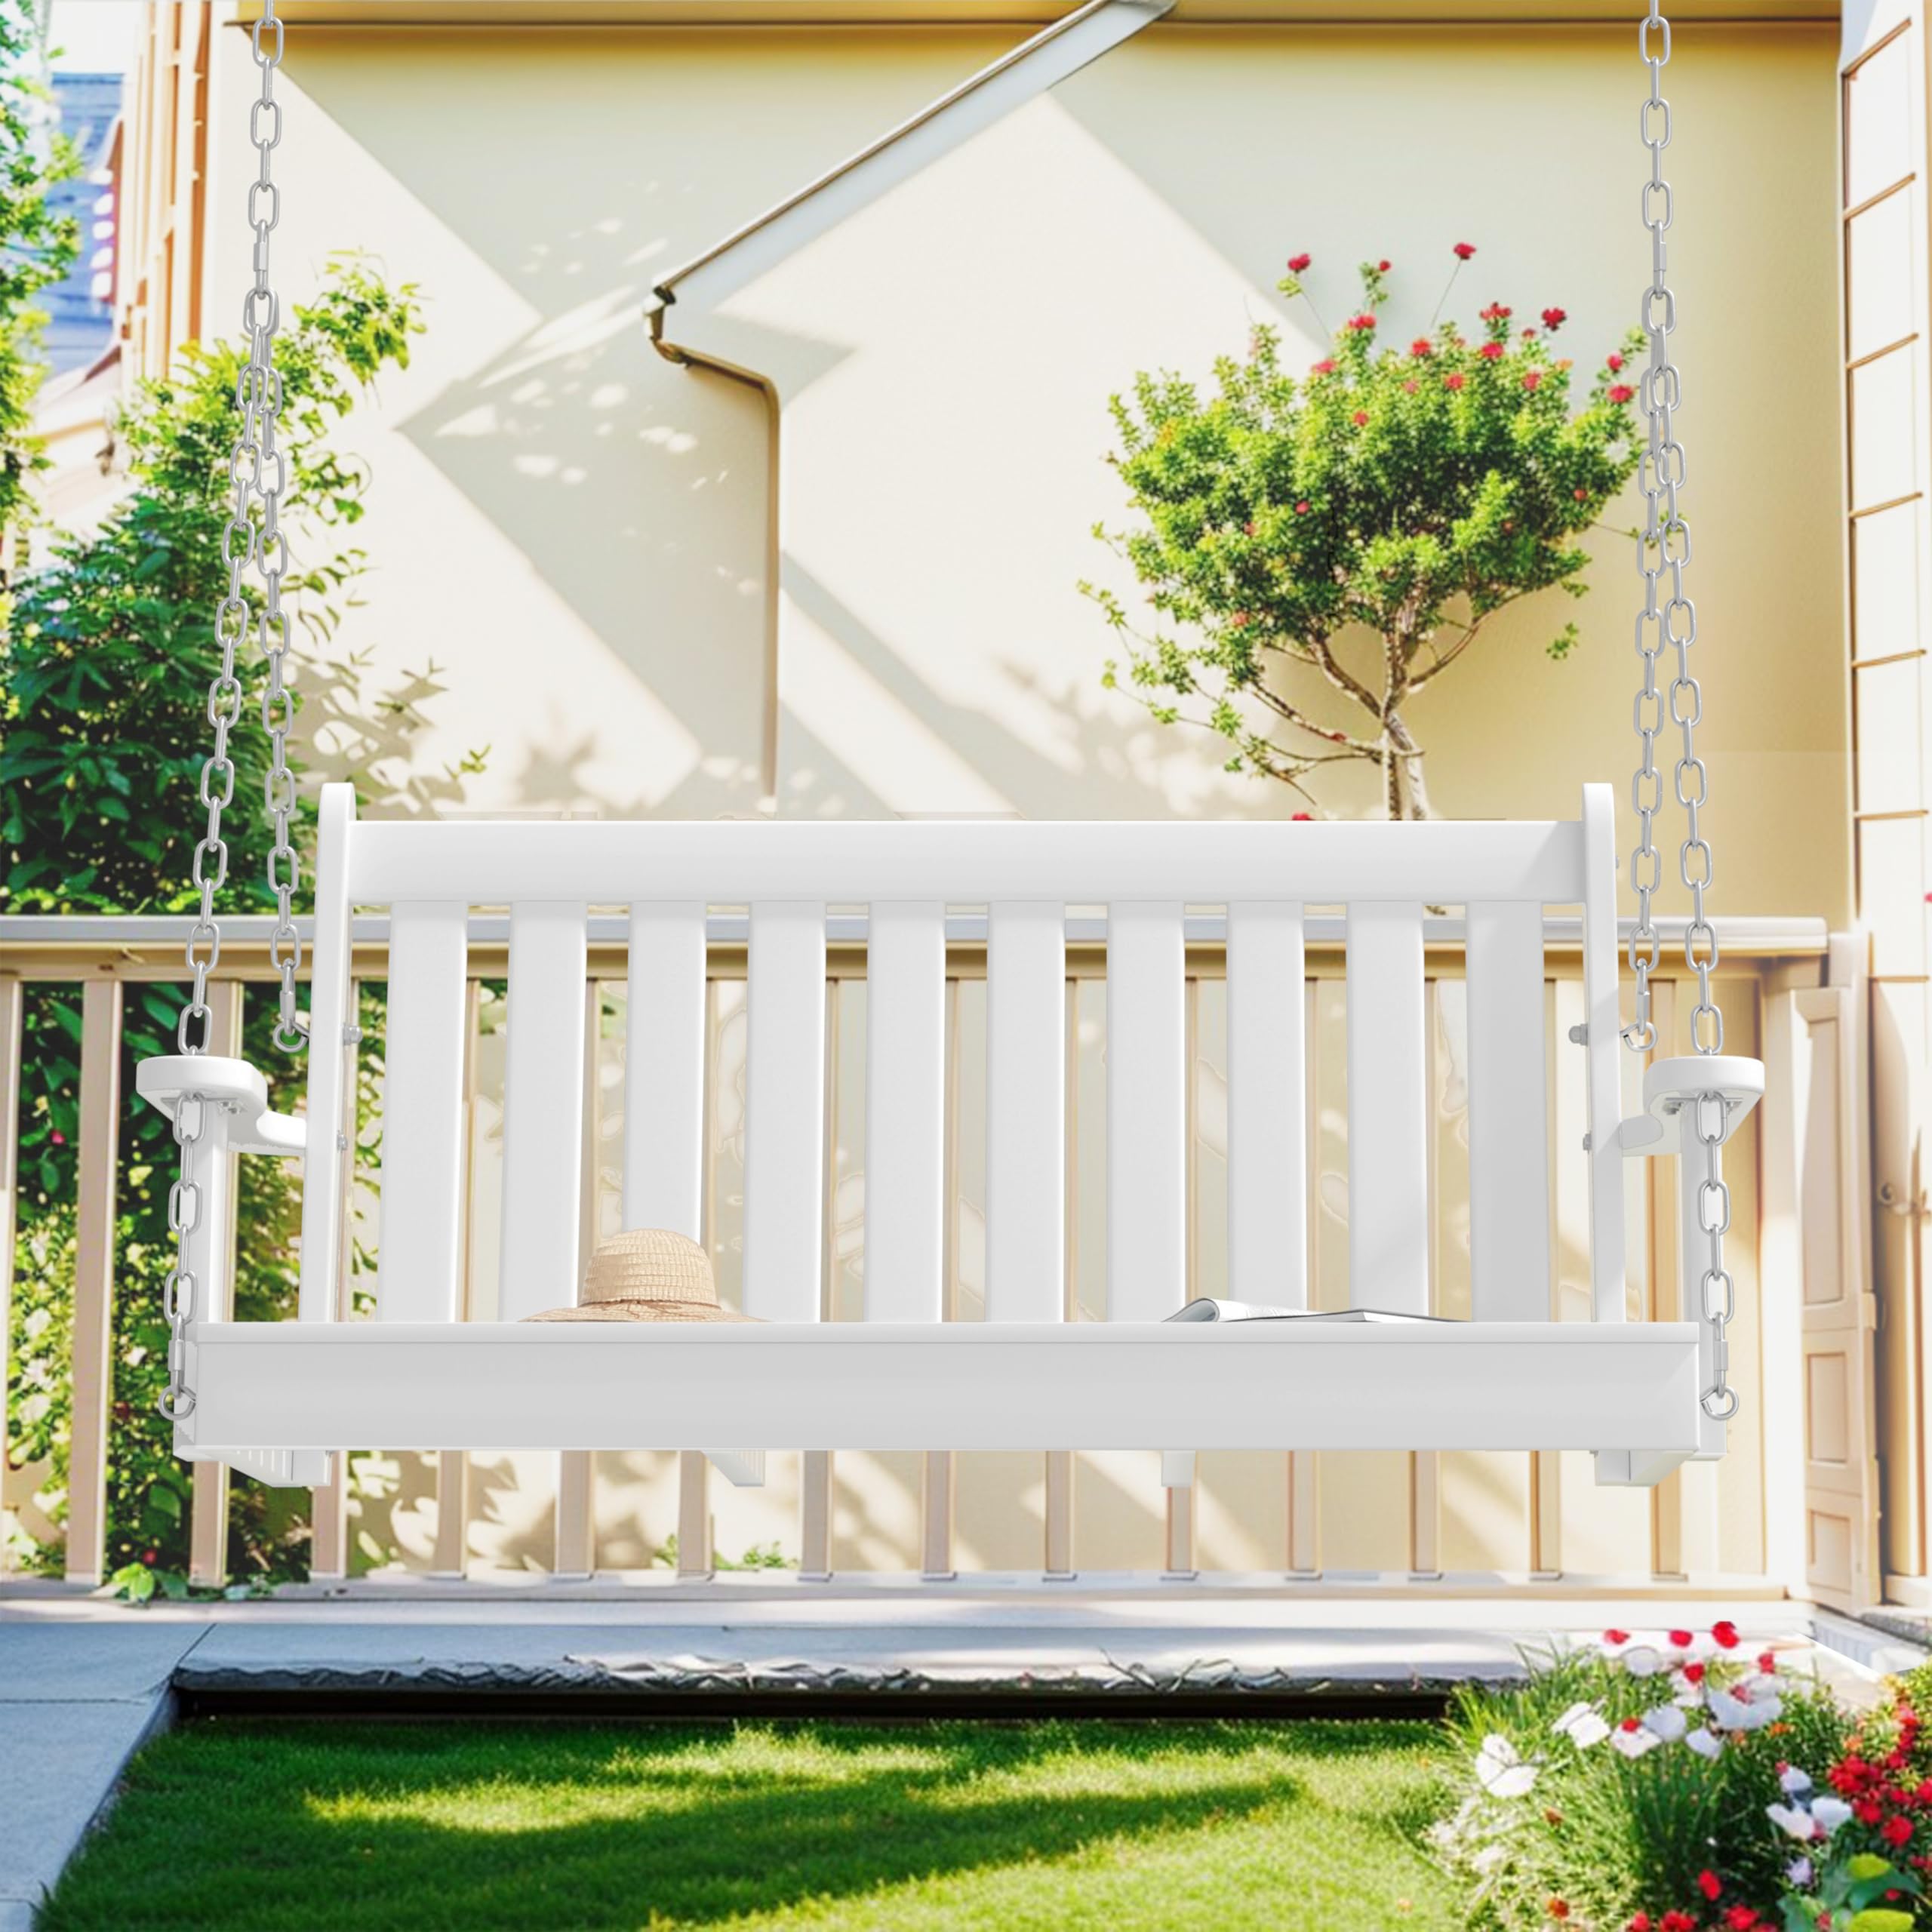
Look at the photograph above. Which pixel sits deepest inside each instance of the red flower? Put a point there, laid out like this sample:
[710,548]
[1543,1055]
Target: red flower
[1867,1811]
[1326,367]
[1409,388]
[1583,496]
[1301,509]
[1303,818]
[1422,345]
[1617,1636]
[1896,1830]
[1497,312]
[1532,379]
[1558,1907]
[1767,1662]
[1489,351]
[1241,620]
[1553,319]
[1359,418]
[1724,1635]
[1613,361]
[59,1138]
[1640,1922]
[1454,382]
[1742,1917]
[1631,1724]
[1364,320]
[1297,263]
[1382,268]
[1709,1884]
[1678,1921]
[150,1556]
[1464,250]
[1694,1673]
[1622,393]
[1529,335]
[1680,1640]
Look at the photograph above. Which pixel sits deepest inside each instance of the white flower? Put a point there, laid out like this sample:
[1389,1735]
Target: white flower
[1583,1725]
[1794,1781]
[1732,1713]
[1633,1743]
[1705,1742]
[1643,1660]
[1794,1820]
[1667,1722]
[1829,1813]
[1799,1871]
[1500,1771]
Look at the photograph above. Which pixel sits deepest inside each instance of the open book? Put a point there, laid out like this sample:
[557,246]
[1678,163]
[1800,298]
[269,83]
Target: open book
[1206,1310]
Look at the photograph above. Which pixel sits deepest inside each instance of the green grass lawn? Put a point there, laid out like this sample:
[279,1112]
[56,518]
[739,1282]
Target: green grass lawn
[262,1826]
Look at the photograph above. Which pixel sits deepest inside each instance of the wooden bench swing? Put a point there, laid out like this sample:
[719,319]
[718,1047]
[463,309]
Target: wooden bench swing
[274,1399]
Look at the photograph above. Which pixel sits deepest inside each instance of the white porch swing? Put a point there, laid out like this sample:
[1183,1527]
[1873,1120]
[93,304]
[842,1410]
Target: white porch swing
[273,1400]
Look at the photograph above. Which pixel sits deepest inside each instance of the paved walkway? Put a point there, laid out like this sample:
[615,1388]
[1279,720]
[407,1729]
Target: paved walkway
[83,1682]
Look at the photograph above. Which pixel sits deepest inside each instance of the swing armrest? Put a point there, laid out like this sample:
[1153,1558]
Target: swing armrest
[233,1085]
[1670,1085]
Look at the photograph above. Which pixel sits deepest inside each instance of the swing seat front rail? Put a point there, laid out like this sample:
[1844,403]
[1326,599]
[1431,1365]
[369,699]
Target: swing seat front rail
[1619,1387]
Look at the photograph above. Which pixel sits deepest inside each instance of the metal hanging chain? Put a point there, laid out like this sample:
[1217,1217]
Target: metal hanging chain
[258,472]
[177,1295]
[1669,617]
[1719,1293]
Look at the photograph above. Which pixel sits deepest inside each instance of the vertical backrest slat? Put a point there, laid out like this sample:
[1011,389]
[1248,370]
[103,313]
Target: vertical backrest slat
[1603,1049]
[1267,1110]
[423,1120]
[330,1093]
[906,1113]
[1146,1112]
[1026,1111]
[1388,1109]
[1509,1114]
[664,1070]
[544,1110]
[785,1112]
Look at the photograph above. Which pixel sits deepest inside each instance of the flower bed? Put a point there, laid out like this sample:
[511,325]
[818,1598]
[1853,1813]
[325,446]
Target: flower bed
[1678,1782]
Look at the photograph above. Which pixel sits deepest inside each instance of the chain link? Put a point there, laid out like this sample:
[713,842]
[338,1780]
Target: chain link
[1669,618]
[257,472]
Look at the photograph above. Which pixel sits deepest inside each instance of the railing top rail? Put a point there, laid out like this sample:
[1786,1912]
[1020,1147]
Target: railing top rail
[32,942]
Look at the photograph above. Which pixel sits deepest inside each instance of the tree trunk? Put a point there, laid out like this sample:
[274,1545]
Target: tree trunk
[1404,792]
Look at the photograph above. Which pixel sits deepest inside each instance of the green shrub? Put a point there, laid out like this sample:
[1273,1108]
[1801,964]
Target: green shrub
[106,663]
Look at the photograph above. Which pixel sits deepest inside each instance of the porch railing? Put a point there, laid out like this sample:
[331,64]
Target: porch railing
[1422,1516]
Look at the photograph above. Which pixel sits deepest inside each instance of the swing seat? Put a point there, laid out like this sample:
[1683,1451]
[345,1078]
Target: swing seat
[273,1399]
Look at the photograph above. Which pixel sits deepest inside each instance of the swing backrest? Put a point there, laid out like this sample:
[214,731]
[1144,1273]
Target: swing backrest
[906,876]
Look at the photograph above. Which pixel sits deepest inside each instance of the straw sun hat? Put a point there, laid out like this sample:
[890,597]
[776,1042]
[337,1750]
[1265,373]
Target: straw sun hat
[647,1275]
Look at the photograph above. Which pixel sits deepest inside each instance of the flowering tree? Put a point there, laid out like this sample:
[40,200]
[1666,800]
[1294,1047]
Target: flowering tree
[1409,493]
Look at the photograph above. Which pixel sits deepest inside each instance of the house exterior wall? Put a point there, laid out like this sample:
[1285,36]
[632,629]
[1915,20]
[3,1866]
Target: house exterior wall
[946,358]
[580,534]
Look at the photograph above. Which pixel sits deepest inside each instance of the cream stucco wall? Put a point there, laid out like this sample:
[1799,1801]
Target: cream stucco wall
[580,532]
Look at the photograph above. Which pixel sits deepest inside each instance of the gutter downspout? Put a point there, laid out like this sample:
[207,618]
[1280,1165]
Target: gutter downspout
[687,358]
